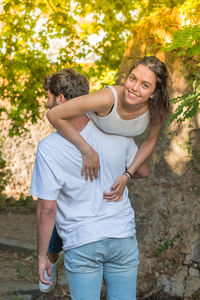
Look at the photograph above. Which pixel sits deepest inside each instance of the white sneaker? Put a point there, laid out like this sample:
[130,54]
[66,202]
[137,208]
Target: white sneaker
[45,288]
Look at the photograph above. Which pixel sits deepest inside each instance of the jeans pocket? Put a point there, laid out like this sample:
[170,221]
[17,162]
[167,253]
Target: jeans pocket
[81,259]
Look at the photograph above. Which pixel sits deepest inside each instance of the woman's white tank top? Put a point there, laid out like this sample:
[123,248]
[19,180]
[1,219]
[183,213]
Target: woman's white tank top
[113,124]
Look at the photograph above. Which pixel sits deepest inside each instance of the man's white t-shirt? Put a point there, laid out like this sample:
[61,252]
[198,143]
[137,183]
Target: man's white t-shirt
[83,215]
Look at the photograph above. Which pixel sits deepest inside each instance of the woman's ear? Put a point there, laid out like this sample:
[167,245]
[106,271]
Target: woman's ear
[152,95]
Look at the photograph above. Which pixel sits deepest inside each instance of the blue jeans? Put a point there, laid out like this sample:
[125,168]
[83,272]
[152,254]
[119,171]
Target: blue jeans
[55,244]
[114,260]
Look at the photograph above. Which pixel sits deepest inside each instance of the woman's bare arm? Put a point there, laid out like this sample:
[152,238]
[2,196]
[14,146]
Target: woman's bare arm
[144,151]
[60,115]
[146,148]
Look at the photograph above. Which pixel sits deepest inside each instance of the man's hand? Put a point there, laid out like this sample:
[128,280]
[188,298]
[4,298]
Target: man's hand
[44,264]
[117,189]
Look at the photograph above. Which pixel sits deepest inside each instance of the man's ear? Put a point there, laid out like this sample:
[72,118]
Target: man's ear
[60,99]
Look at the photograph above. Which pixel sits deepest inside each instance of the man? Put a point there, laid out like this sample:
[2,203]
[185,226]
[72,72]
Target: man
[98,236]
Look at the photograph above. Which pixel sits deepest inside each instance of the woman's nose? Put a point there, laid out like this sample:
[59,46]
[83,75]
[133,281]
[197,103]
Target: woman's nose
[135,86]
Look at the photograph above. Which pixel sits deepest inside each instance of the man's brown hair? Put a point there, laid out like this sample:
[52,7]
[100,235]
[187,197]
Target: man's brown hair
[67,82]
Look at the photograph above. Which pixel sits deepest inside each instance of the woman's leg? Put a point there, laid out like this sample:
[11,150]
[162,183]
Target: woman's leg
[55,246]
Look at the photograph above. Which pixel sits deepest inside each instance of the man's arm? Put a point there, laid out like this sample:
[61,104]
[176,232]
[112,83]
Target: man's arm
[46,214]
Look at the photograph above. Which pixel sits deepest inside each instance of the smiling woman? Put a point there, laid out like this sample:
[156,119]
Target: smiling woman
[158,103]
[143,102]
[140,86]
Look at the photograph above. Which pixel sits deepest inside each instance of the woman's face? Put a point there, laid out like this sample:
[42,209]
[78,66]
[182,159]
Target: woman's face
[140,85]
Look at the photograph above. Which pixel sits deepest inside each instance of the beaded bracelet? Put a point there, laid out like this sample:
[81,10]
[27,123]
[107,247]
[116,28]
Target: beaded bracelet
[128,174]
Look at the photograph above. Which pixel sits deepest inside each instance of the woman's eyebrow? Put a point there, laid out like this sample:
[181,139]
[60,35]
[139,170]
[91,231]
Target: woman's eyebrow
[147,82]
[144,81]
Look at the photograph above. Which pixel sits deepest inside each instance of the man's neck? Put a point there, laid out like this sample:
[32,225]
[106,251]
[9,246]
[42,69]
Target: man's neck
[80,122]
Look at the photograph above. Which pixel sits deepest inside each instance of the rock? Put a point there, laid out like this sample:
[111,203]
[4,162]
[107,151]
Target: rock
[196,251]
[192,285]
[187,260]
[193,272]
[164,282]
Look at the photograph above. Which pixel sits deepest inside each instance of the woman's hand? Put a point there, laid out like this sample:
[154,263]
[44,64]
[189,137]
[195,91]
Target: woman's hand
[91,164]
[117,189]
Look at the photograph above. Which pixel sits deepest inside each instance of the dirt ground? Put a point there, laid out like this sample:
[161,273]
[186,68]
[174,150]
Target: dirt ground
[18,263]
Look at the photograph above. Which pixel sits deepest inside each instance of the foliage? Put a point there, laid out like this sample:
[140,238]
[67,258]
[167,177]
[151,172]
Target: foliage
[41,36]
[188,106]
[166,245]
[186,42]
[23,204]
[38,37]
[4,174]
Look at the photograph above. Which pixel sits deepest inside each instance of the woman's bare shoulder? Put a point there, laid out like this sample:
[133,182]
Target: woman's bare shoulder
[120,90]
[119,87]
[105,95]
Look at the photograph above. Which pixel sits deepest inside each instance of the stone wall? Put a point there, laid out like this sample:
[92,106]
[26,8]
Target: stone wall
[167,219]
[19,153]
[167,203]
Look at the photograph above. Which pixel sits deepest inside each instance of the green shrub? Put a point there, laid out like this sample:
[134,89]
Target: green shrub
[5,174]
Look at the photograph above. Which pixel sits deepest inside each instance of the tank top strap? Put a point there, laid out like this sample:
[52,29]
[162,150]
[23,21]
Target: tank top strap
[115,96]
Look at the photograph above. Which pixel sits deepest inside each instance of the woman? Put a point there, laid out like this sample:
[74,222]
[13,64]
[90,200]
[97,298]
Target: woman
[142,103]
